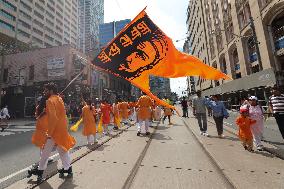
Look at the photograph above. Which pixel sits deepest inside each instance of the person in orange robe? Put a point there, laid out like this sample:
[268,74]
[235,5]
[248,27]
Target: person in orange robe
[106,110]
[57,133]
[144,112]
[124,111]
[89,122]
[245,134]
[115,114]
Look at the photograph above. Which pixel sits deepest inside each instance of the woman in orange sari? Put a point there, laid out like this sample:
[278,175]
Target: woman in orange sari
[89,129]
[106,110]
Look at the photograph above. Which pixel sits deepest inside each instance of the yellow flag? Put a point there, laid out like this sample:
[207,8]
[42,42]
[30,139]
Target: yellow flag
[74,128]
[100,125]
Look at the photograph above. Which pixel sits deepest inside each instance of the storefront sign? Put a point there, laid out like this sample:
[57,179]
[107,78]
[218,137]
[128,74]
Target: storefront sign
[55,63]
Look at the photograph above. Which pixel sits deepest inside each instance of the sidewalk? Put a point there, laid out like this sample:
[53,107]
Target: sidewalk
[22,122]
[173,157]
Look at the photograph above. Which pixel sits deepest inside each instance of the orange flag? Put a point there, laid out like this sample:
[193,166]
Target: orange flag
[141,49]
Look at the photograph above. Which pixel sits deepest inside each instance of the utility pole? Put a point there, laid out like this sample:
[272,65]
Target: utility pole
[256,43]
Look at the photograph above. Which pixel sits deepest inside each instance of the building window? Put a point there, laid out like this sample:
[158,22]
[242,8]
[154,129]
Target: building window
[238,75]
[8,5]
[25,15]
[26,25]
[38,23]
[37,31]
[7,15]
[22,33]
[26,6]
[5,75]
[6,26]
[39,7]
[31,72]
[38,15]
[244,15]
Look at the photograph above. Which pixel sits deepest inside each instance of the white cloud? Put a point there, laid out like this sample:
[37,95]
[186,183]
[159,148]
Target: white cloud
[169,15]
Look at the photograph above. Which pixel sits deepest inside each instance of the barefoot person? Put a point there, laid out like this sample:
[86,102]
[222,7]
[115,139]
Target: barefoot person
[57,133]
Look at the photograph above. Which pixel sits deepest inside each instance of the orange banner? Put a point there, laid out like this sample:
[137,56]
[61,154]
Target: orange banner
[141,49]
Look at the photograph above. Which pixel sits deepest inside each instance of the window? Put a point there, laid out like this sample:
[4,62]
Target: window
[40,24]
[38,15]
[25,15]
[49,38]
[26,6]
[26,25]
[5,75]
[7,15]
[22,33]
[38,31]
[49,14]
[31,72]
[9,5]
[6,26]
[34,39]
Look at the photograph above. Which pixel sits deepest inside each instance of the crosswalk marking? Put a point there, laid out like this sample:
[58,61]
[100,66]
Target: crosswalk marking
[12,130]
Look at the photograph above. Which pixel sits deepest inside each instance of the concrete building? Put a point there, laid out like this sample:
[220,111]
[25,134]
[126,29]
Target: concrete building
[189,80]
[160,86]
[26,73]
[41,23]
[227,35]
[91,15]
[109,30]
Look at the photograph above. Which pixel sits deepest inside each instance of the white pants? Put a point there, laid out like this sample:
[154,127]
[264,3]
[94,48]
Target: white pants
[91,139]
[45,153]
[147,124]
[257,139]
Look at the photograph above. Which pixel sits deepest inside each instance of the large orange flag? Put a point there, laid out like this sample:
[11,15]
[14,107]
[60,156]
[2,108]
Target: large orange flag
[141,49]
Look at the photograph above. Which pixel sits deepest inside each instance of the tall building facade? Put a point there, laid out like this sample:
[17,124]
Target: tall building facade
[160,86]
[242,38]
[91,15]
[41,23]
[109,30]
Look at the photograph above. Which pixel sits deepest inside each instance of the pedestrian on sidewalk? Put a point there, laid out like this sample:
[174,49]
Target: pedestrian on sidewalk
[89,123]
[219,113]
[184,105]
[245,134]
[57,133]
[116,116]
[276,105]
[106,110]
[144,112]
[256,113]
[4,116]
[199,111]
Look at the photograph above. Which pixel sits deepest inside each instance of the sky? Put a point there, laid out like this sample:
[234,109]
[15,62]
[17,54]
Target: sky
[169,15]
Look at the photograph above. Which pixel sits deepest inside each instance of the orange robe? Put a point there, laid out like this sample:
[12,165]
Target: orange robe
[106,109]
[89,121]
[144,105]
[131,106]
[39,136]
[245,124]
[57,123]
[123,110]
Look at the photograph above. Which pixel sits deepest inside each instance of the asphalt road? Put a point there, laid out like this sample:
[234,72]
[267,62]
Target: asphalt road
[17,152]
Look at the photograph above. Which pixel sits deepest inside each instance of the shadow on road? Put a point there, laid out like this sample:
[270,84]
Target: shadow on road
[159,136]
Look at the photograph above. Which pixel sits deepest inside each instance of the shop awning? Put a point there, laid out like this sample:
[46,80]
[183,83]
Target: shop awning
[260,79]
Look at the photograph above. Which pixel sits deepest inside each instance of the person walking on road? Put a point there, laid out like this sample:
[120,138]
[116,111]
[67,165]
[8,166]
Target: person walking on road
[167,111]
[184,105]
[124,112]
[106,110]
[219,113]
[256,113]
[144,113]
[245,134]
[276,105]
[4,116]
[57,133]
[89,123]
[199,111]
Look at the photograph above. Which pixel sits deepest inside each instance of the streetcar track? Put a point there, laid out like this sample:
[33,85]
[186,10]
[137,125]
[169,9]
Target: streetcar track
[54,172]
[227,180]
[128,182]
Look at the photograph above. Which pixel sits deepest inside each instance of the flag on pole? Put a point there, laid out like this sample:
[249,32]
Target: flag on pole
[75,127]
[142,49]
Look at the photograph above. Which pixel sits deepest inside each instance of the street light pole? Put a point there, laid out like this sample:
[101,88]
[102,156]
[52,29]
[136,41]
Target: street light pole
[2,74]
